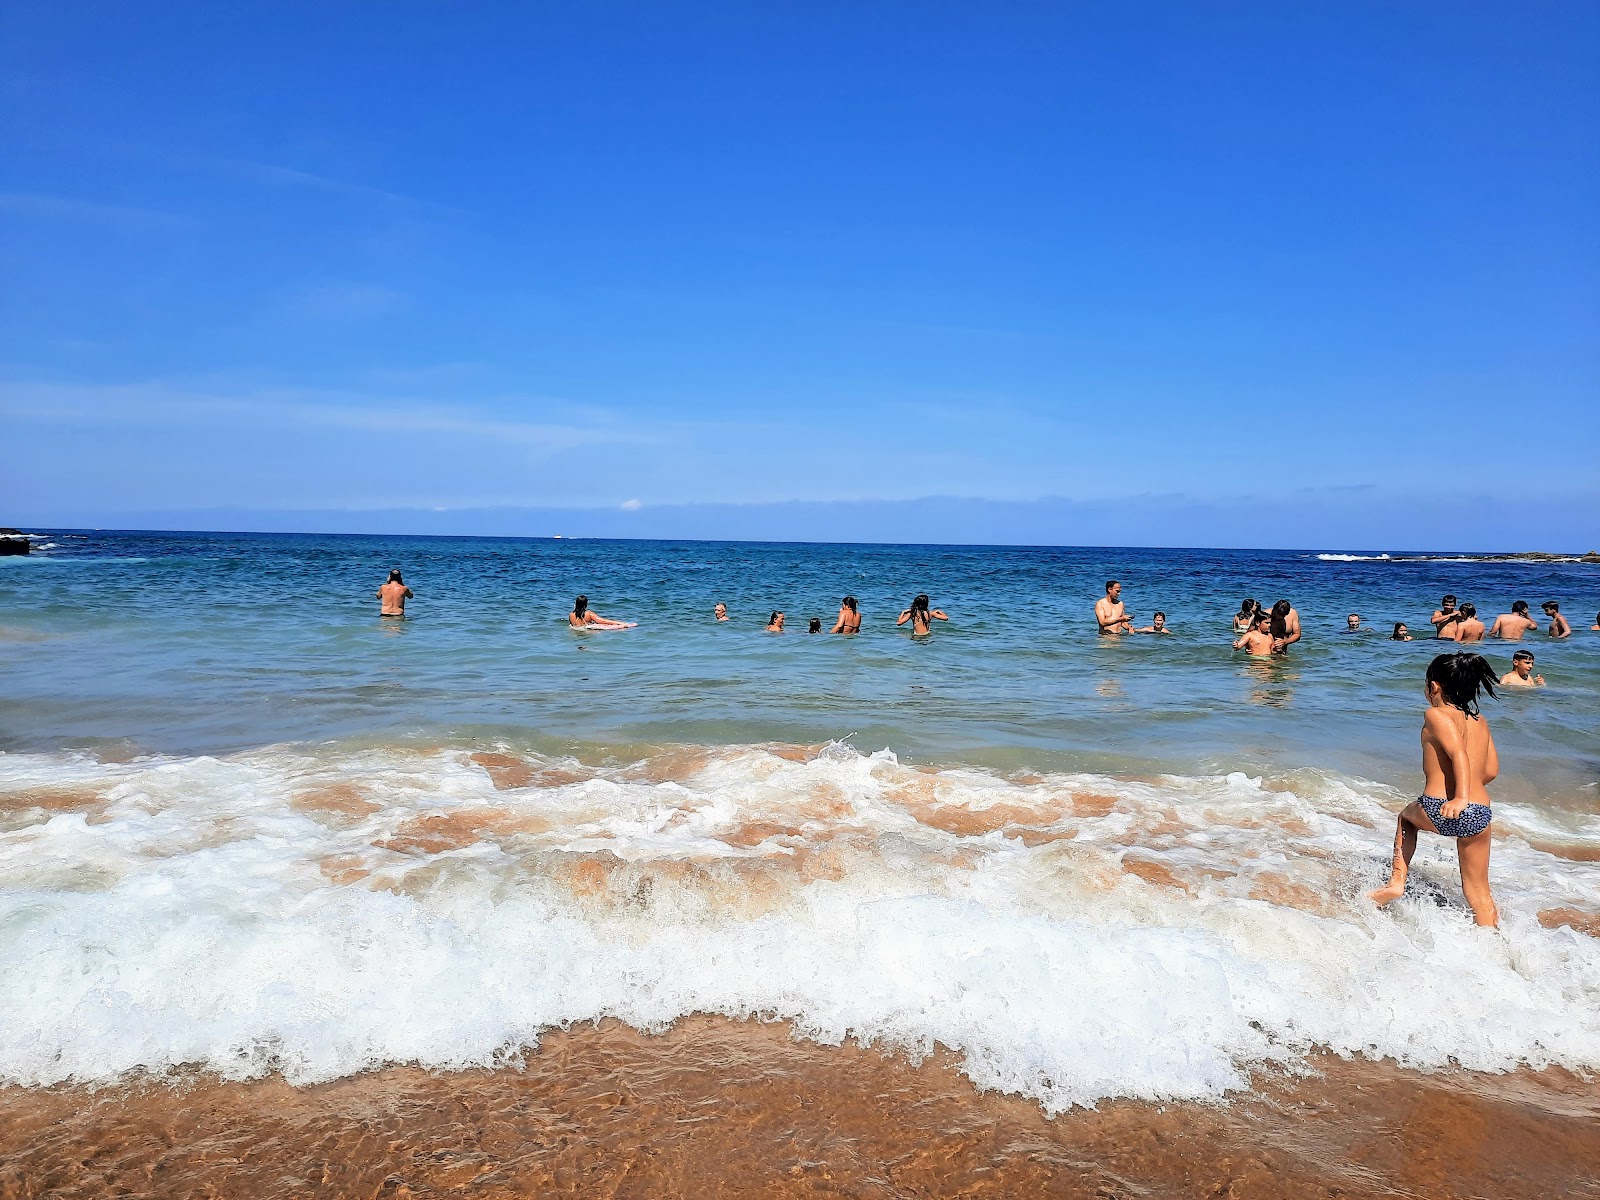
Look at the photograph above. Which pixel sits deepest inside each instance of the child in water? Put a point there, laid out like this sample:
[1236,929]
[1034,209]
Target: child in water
[1459,762]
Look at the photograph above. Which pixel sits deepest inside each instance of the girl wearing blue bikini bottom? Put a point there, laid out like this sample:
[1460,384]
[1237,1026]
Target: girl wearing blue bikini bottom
[1458,764]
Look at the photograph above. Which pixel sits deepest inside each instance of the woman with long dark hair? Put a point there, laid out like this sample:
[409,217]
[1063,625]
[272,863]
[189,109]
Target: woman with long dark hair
[1245,619]
[921,616]
[584,617]
[849,617]
[1459,762]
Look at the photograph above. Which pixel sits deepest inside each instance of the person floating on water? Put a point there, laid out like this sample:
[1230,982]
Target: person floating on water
[849,617]
[1470,629]
[1521,673]
[583,617]
[1108,612]
[775,622]
[1459,762]
[1445,618]
[1512,625]
[1401,633]
[1257,640]
[921,616]
[393,595]
[1285,626]
[1244,620]
[1558,624]
[1158,624]
[720,611]
[1352,624]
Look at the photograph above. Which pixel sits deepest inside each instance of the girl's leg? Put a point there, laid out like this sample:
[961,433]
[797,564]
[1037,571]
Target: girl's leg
[1473,855]
[1411,819]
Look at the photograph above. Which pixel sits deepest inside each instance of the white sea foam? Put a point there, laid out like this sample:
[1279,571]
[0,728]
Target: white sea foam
[1073,937]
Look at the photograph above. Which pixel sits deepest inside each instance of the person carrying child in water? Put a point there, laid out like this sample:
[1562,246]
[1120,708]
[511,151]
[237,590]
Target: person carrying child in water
[1459,761]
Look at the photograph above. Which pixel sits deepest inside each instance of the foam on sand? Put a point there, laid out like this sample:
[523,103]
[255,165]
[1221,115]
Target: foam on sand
[322,911]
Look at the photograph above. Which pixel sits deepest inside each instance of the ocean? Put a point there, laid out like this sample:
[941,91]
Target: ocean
[251,828]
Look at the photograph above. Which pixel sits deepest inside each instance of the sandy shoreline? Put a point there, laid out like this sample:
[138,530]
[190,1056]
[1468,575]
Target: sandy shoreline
[716,1107]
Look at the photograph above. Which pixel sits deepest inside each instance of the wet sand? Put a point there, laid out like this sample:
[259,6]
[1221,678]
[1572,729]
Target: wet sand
[716,1107]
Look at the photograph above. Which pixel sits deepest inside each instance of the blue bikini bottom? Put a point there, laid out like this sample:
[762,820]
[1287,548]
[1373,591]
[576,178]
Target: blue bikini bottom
[1473,819]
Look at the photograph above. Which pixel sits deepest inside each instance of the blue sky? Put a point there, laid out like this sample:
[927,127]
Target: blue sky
[1239,273]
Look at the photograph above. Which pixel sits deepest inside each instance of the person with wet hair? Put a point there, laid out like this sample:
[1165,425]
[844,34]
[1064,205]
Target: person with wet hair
[1459,761]
[815,626]
[584,617]
[1445,619]
[849,617]
[921,616]
[1257,641]
[720,611]
[1401,633]
[1470,629]
[775,622]
[1245,619]
[1559,628]
[1285,627]
[1108,611]
[1158,624]
[1352,624]
[1521,673]
[393,595]
[1512,625]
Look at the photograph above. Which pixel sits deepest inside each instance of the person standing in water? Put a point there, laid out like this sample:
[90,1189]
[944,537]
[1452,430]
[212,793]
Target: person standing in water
[1459,762]
[1285,627]
[1445,618]
[1245,619]
[1108,612]
[1401,633]
[1512,625]
[849,617]
[921,616]
[1559,628]
[393,596]
[583,617]
[775,622]
[1258,640]
[1470,629]
[720,611]
[1521,673]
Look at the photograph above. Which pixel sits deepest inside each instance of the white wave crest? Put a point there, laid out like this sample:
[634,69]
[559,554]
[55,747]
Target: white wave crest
[1073,937]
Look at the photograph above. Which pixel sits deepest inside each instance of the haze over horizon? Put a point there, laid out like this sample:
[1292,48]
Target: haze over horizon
[1210,275]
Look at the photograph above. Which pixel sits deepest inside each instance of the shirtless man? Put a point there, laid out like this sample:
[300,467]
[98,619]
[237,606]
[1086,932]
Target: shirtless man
[1352,624]
[1521,673]
[1285,625]
[720,612]
[1258,639]
[1108,610]
[1470,629]
[1445,618]
[849,617]
[1158,624]
[1558,624]
[1512,625]
[393,595]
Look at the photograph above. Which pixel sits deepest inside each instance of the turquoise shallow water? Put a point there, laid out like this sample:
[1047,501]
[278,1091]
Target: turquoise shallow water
[191,643]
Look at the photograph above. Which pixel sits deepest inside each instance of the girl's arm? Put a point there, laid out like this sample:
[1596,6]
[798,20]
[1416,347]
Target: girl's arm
[904,617]
[938,614]
[1451,746]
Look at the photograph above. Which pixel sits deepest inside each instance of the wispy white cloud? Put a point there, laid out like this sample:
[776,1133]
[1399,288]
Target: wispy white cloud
[280,176]
[38,206]
[158,402]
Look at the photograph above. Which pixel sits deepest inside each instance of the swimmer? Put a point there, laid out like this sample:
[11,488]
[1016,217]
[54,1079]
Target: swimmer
[393,595]
[1596,625]
[720,611]
[1285,627]
[583,617]
[1558,624]
[1401,633]
[849,617]
[1459,762]
[815,626]
[1512,625]
[1470,629]
[1257,641]
[921,616]
[1521,673]
[1244,620]
[1158,624]
[1352,624]
[775,623]
[1445,618]
[1108,610]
